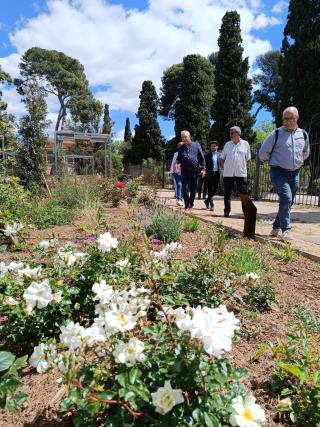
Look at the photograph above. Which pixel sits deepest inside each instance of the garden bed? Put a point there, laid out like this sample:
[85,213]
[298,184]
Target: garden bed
[295,281]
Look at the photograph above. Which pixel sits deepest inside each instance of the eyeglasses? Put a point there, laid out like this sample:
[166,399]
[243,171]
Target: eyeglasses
[287,119]
[231,133]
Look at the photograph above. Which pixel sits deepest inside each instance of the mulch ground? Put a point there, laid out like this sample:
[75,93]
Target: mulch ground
[296,281]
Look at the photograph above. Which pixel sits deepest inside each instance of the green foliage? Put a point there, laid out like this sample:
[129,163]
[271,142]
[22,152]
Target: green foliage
[107,123]
[147,141]
[191,224]
[58,73]
[269,81]
[31,152]
[44,213]
[13,200]
[165,225]
[132,188]
[10,382]
[86,112]
[296,375]
[243,259]
[260,296]
[284,253]
[262,131]
[233,100]
[306,317]
[300,70]
[187,95]
[127,131]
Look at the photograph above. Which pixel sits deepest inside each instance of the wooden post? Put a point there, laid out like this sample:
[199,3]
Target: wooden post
[250,216]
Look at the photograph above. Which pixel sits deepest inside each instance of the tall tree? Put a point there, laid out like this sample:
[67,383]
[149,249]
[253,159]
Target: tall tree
[107,123]
[86,113]
[233,100]
[187,95]
[269,81]
[300,68]
[31,153]
[147,141]
[127,131]
[56,73]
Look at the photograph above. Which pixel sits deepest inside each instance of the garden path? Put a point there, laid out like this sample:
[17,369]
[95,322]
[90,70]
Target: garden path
[305,221]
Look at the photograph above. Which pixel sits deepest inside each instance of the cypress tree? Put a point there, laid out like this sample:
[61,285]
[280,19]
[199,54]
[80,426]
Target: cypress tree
[147,141]
[193,107]
[300,67]
[107,123]
[127,131]
[233,100]
[31,154]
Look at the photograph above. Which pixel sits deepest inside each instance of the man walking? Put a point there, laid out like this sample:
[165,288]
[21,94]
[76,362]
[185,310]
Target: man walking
[286,148]
[234,158]
[191,158]
[212,160]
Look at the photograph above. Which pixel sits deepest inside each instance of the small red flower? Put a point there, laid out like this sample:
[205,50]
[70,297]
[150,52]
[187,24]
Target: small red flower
[120,185]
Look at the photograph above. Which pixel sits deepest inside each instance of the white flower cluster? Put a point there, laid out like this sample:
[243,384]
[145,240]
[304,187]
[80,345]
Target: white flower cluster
[246,413]
[46,244]
[10,230]
[170,247]
[70,255]
[106,242]
[252,276]
[19,270]
[123,264]
[118,311]
[214,327]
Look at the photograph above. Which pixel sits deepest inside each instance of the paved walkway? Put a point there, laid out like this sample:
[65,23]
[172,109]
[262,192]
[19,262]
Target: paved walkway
[305,220]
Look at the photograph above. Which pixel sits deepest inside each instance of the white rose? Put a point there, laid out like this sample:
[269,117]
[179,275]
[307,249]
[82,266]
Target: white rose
[165,398]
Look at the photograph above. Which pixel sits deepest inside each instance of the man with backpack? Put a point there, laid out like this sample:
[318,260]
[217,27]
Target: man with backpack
[286,148]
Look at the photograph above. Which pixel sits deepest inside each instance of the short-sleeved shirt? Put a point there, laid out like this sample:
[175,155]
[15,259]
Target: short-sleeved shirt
[236,157]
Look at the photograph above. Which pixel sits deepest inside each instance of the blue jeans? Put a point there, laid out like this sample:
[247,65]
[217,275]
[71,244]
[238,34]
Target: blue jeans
[177,186]
[286,185]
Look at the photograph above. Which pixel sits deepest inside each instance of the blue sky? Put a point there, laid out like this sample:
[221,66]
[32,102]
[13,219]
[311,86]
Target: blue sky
[123,43]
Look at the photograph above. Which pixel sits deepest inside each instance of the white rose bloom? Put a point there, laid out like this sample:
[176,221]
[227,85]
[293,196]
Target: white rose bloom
[165,398]
[9,230]
[42,357]
[10,301]
[123,263]
[93,334]
[252,276]
[104,293]
[106,242]
[15,266]
[3,269]
[130,352]
[70,258]
[120,321]
[159,255]
[44,244]
[57,297]
[71,335]
[31,273]
[246,413]
[174,246]
[38,294]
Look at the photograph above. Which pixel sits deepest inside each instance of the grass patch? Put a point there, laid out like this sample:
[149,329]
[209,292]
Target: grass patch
[191,224]
[285,253]
[244,259]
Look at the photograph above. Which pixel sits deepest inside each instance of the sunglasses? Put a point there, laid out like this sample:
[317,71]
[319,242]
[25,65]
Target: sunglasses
[287,119]
[231,133]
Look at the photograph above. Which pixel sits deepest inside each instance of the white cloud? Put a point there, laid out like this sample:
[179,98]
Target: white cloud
[279,7]
[119,135]
[122,47]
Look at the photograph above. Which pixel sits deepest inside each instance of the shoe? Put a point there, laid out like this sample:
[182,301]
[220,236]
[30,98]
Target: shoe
[286,235]
[275,232]
[206,203]
[180,203]
[212,208]
[226,214]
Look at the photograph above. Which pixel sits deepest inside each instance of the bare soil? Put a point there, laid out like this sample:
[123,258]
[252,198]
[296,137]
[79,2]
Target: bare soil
[296,281]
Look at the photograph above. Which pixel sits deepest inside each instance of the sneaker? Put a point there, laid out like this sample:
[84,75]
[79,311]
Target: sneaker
[180,203]
[212,208]
[275,232]
[206,203]
[286,235]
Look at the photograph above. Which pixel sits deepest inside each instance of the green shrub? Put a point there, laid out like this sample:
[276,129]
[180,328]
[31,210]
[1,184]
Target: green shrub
[9,381]
[244,259]
[191,224]
[285,253]
[67,195]
[13,200]
[165,225]
[260,296]
[132,188]
[44,213]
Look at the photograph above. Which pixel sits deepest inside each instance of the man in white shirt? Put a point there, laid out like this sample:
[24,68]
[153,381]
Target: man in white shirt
[234,159]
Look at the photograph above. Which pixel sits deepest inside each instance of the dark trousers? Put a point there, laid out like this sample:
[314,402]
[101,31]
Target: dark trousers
[213,182]
[189,184]
[242,188]
[201,186]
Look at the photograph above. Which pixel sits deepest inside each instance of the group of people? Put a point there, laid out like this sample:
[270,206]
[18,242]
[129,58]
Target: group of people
[286,149]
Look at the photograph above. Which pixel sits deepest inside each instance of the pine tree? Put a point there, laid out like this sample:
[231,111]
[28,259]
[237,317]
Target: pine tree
[127,131]
[300,68]
[233,100]
[147,141]
[31,154]
[107,123]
